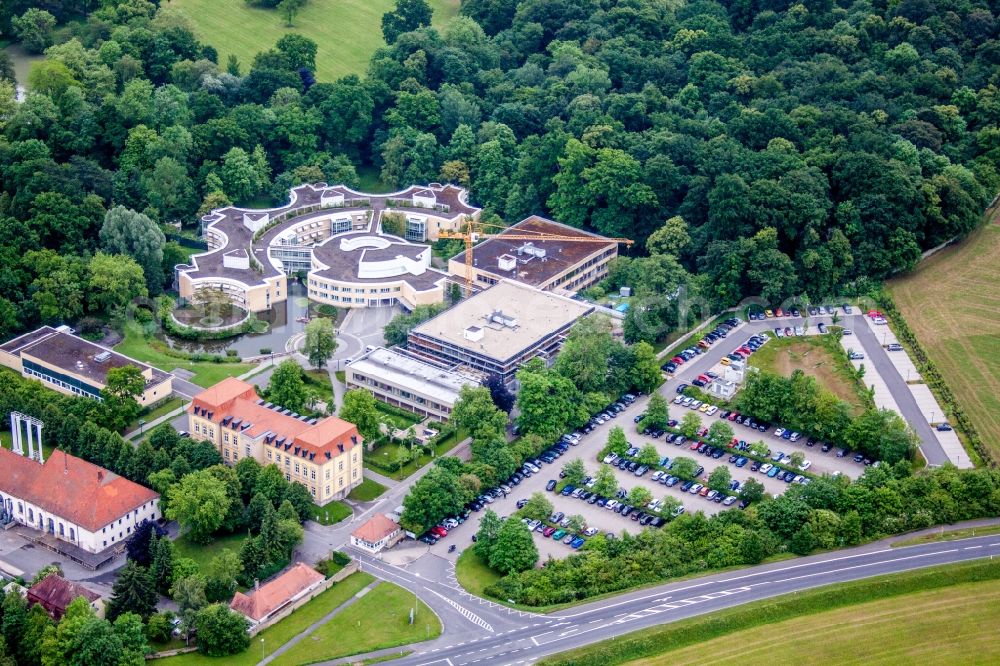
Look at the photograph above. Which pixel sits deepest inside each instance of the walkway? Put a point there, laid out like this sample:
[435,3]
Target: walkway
[318,623]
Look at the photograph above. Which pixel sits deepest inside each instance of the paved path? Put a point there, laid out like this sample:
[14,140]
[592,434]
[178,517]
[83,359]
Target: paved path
[384,480]
[317,624]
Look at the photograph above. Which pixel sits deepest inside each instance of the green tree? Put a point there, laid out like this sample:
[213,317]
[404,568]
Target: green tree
[199,502]
[759,449]
[123,386]
[617,442]
[605,483]
[221,631]
[34,29]
[133,592]
[797,459]
[576,524]
[538,507]
[360,409]
[803,542]
[514,549]
[683,468]
[720,433]
[690,425]
[241,180]
[289,9]
[287,388]
[169,189]
[657,413]
[752,490]
[189,593]
[130,233]
[115,280]
[407,16]
[672,238]
[486,537]
[639,496]
[648,455]
[160,627]
[321,341]
[574,472]
[433,497]
[646,373]
[586,353]
[161,568]
[549,403]
[476,413]
[719,479]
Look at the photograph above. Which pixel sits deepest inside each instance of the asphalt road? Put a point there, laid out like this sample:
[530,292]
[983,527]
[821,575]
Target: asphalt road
[517,639]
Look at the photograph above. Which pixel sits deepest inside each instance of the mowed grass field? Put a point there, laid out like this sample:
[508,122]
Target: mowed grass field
[811,355]
[954,625]
[347,32]
[952,303]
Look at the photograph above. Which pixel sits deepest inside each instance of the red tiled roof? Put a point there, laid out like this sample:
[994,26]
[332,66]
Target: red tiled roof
[56,592]
[377,528]
[270,596]
[74,489]
[238,399]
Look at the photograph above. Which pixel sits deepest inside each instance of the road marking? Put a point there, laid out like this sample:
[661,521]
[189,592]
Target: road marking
[466,613]
[972,547]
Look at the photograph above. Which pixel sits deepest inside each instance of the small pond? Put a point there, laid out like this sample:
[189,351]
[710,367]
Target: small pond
[22,63]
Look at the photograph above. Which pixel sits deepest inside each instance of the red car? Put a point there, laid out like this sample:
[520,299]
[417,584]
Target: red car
[695,444]
[704,378]
[547,532]
[439,531]
[779,313]
[732,417]
[678,360]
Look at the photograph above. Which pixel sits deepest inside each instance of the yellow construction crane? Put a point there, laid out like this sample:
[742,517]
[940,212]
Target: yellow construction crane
[472,235]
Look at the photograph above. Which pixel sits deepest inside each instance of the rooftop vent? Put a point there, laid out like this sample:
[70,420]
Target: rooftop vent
[473,333]
[506,262]
[498,317]
[530,250]
[103,357]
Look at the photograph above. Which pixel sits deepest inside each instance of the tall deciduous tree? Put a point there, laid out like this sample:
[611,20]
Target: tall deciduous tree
[360,408]
[514,549]
[199,502]
[123,387]
[127,232]
[476,412]
[287,388]
[408,15]
[321,341]
[114,281]
[221,631]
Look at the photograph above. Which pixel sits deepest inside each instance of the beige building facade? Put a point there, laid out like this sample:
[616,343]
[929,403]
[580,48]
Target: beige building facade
[324,455]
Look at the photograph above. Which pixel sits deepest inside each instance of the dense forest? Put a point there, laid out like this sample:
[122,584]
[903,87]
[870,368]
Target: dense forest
[751,147]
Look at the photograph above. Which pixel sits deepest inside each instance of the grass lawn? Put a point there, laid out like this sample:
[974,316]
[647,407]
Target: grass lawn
[285,630]
[167,406]
[812,355]
[203,554]
[941,615]
[387,454]
[319,380]
[151,350]
[331,513]
[367,491]
[347,32]
[380,619]
[400,419]
[473,574]
[370,180]
[951,302]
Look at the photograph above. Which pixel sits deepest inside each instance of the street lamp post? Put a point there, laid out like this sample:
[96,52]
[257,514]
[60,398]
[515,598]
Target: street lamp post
[416,601]
[262,648]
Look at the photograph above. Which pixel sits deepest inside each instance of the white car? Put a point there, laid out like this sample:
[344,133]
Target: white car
[590,531]
[712,410]
[695,404]
[679,399]
[657,476]
[655,504]
[687,401]
[779,432]
[610,458]
[611,505]
[765,468]
[799,330]
[696,488]
[806,464]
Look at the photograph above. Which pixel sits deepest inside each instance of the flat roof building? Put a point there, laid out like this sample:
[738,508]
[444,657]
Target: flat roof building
[552,264]
[498,329]
[324,455]
[69,364]
[401,380]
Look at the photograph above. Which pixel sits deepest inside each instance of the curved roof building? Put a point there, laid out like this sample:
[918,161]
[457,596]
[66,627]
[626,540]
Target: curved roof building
[334,235]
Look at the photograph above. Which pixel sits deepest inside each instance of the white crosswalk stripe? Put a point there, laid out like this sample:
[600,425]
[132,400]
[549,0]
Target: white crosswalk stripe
[469,615]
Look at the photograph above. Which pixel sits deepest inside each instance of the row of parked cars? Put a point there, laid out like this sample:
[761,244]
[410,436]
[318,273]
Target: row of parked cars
[744,351]
[612,411]
[759,314]
[665,478]
[617,504]
[685,355]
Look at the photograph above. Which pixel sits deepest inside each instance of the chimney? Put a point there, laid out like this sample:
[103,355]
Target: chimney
[100,475]
[256,584]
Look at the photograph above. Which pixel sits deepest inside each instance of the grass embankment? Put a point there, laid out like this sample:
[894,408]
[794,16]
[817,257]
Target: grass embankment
[367,491]
[940,615]
[155,352]
[347,32]
[950,301]
[380,619]
[818,356]
[282,632]
[948,536]
[473,574]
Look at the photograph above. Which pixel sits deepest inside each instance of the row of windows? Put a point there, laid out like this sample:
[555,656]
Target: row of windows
[204,430]
[323,286]
[65,381]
